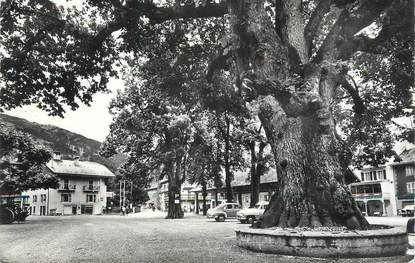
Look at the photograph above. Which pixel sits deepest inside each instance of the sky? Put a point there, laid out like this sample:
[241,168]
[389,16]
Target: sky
[92,122]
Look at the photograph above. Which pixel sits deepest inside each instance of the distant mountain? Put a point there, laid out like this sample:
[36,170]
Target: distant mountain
[57,139]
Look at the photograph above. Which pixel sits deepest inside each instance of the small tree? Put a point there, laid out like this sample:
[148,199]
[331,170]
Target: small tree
[22,163]
[256,144]
[154,133]
[203,162]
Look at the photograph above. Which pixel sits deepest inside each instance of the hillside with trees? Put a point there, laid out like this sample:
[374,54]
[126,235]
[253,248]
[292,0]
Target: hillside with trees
[69,144]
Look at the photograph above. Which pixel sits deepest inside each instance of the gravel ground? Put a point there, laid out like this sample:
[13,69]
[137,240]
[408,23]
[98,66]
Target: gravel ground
[142,237]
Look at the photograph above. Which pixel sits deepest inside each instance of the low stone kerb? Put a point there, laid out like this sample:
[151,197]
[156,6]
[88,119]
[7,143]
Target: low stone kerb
[361,243]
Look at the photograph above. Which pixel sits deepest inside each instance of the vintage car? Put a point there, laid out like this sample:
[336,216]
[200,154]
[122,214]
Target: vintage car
[13,208]
[250,215]
[9,214]
[224,211]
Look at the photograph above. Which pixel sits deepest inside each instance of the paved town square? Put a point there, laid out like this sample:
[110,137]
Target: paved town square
[141,237]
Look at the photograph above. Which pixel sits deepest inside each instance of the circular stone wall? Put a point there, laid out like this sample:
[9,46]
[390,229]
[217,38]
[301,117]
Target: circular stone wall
[361,243]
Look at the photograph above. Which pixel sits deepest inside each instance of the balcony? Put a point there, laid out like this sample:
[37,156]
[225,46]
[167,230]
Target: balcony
[66,187]
[91,188]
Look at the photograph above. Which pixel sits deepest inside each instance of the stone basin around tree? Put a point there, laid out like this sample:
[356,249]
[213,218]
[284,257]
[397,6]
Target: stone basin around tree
[381,242]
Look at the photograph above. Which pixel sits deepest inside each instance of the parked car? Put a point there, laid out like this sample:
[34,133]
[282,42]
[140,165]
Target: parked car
[410,225]
[224,211]
[250,215]
[407,211]
[10,213]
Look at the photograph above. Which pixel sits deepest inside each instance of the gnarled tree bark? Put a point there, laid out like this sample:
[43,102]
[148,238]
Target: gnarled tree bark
[174,172]
[296,116]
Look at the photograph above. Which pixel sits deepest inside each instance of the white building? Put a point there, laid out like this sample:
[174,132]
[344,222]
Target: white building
[375,193]
[82,189]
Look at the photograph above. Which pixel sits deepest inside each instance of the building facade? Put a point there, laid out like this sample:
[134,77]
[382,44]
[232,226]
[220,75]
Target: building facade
[375,193]
[384,190]
[404,176]
[82,189]
[192,197]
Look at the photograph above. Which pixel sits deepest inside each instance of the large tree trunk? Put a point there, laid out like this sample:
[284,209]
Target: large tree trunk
[310,192]
[204,194]
[228,173]
[255,179]
[294,99]
[174,190]
[257,170]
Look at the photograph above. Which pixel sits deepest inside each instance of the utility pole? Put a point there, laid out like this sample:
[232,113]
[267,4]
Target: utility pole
[131,189]
[120,196]
[124,193]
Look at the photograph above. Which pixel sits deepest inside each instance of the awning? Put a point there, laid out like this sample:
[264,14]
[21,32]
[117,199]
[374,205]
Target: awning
[409,207]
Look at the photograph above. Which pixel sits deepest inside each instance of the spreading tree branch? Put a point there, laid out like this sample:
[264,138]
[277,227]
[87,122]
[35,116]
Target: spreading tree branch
[348,24]
[311,29]
[359,106]
[161,14]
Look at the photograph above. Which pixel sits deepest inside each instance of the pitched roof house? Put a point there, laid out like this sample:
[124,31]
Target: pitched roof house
[82,189]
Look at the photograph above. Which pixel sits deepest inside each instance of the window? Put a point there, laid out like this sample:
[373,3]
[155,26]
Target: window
[91,198]
[66,183]
[228,206]
[360,189]
[368,176]
[236,206]
[368,189]
[377,189]
[266,197]
[373,175]
[34,210]
[409,170]
[381,174]
[90,185]
[410,187]
[66,197]
[34,198]
[43,198]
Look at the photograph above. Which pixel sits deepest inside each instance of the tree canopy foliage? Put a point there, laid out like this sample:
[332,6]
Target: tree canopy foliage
[54,56]
[22,163]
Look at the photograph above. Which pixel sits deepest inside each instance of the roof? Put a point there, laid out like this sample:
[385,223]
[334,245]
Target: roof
[242,178]
[80,168]
[407,156]
[409,207]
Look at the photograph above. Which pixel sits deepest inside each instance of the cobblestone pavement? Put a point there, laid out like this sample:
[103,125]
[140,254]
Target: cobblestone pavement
[142,237]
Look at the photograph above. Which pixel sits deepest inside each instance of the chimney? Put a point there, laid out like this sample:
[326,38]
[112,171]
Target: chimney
[76,160]
[57,156]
